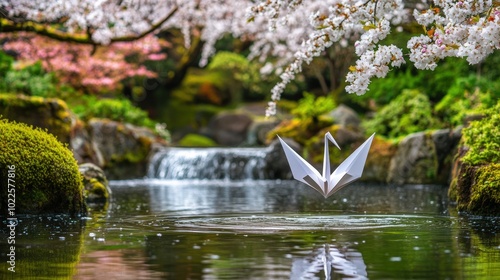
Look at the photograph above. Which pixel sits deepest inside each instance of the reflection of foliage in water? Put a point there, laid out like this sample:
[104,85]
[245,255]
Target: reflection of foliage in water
[47,247]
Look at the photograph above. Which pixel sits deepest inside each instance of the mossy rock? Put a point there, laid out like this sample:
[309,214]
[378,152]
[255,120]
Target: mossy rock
[476,176]
[48,113]
[196,140]
[477,189]
[485,193]
[42,169]
[96,187]
[122,149]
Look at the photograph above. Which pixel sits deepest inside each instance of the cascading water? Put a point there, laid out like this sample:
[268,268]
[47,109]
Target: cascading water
[210,164]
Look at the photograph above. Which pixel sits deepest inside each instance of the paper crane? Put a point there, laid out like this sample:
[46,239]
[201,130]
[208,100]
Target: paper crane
[348,171]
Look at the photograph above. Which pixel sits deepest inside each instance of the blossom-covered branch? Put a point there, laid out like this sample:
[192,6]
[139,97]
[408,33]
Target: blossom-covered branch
[291,32]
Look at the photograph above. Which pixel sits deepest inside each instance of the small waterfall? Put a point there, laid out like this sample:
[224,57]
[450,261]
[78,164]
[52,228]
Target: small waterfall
[209,164]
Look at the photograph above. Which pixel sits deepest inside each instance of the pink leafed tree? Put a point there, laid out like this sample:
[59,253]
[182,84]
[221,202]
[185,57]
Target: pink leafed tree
[87,67]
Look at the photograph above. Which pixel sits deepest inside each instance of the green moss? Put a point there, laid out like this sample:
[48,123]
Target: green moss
[97,189]
[47,179]
[482,138]
[410,112]
[313,107]
[452,190]
[485,193]
[196,140]
[212,87]
[50,113]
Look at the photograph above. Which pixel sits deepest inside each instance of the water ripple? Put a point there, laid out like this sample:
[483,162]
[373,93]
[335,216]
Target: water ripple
[271,224]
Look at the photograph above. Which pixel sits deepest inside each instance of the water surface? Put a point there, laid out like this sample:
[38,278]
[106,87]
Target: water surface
[196,229]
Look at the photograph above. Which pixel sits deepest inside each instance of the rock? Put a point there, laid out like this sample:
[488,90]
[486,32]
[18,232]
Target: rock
[345,116]
[46,113]
[378,161]
[122,150]
[42,172]
[476,169]
[445,142]
[258,130]
[346,137]
[80,143]
[96,188]
[276,163]
[415,161]
[229,129]
[424,158]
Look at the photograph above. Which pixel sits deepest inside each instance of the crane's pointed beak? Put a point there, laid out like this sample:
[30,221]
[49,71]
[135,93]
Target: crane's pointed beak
[330,137]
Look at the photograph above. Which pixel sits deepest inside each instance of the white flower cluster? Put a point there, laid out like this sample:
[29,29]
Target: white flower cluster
[463,28]
[467,28]
[334,23]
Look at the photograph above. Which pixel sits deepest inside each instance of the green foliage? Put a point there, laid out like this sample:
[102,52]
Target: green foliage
[243,71]
[483,138]
[5,63]
[433,83]
[200,86]
[47,179]
[196,140]
[246,74]
[467,96]
[118,109]
[30,80]
[408,113]
[485,193]
[311,107]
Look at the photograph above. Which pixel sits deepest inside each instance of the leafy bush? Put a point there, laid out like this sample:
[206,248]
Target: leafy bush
[245,73]
[465,96]
[409,112]
[30,80]
[482,138]
[310,107]
[5,63]
[47,179]
[118,109]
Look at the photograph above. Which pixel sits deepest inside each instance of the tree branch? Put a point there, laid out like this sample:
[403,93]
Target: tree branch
[7,25]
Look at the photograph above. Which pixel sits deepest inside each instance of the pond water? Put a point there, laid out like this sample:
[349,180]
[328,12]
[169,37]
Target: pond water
[168,229]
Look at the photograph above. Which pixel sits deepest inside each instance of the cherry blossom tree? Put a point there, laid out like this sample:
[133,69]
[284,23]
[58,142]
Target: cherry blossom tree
[286,33]
[83,66]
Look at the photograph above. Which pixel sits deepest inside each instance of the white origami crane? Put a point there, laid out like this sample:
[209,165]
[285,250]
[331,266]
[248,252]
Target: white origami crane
[348,171]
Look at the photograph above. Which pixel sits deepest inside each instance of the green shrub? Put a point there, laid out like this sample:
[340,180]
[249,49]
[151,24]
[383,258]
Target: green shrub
[483,138]
[467,96]
[195,140]
[310,107]
[408,113]
[30,80]
[245,73]
[46,180]
[5,63]
[117,109]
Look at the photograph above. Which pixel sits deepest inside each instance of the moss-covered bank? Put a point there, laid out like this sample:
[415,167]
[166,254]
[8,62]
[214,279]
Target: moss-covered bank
[48,113]
[44,176]
[476,180]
